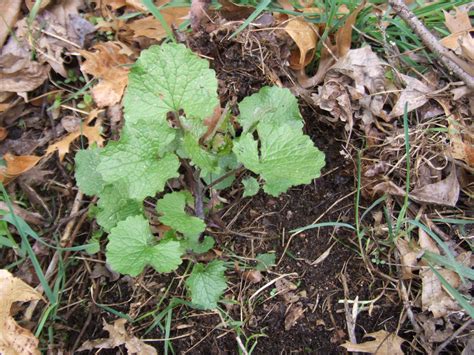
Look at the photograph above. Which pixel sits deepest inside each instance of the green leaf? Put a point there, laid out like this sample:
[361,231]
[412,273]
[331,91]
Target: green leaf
[115,206]
[251,186]
[287,157]
[270,104]
[265,261]
[171,206]
[205,160]
[88,178]
[207,283]
[168,78]
[93,247]
[192,243]
[131,247]
[135,161]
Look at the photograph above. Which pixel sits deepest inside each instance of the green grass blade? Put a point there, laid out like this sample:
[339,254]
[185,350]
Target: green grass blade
[262,6]
[373,205]
[403,211]
[31,254]
[448,263]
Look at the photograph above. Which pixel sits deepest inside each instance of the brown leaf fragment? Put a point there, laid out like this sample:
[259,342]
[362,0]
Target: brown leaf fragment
[30,217]
[408,256]
[414,95]
[385,343]
[92,133]
[252,276]
[150,27]
[109,65]
[467,47]
[118,335]
[458,22]
[16,165]
[433,297]
[304,35]
[21,74]
[15,340]
[9,11]
[444,192]
[294,314]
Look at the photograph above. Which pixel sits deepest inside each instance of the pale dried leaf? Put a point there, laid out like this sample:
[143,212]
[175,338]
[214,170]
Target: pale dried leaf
[414,95]
[15,340]
[294,314]
[150,27]
[9,11]
[385,343]
[408,258]
[16,165]
[444,192]
[461,138]
[433,297]
[467,47]
[426,242]
[118,335]
[21,74]
[304,35]
[458,22]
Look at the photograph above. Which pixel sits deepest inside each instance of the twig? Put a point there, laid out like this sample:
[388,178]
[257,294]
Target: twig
[351,317]
[430,41]
[454,335]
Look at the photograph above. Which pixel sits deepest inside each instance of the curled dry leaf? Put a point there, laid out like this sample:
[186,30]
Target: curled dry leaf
[118,335]
[9,10]
[16,165]
[13,338]
[385,343]
[408,257]
[444,192]
[304,35]
[109,65]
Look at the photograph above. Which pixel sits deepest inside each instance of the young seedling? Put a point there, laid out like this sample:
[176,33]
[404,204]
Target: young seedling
[169,131]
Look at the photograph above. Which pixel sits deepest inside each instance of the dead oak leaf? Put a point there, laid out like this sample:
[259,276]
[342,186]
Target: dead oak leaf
[20,73]
[433,296]
[16,165]
[304,35]
[13,338]
[109,64]
[385,343]
[118,335]
[414,95]
[458,22]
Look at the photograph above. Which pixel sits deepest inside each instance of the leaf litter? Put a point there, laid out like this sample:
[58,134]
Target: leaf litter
[354,88]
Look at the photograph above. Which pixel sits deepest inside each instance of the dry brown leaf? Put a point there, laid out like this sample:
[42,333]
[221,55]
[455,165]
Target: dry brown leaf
[385,343]
[294,314]
[253,276]
[433,297]
[92,133]
[459,22]
[444,192]
[118,335]
[344,34]
[16,165]
[414,95]
[150,27]
[9,11]
[426,242]
[467,47]
[109,65]
[304,35]
[15,340]
[408,256]
[21,74]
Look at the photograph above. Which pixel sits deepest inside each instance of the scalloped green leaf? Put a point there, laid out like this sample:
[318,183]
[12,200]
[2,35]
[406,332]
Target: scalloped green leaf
[115,206]
[251,186]
[135,160]
[270,104]
[169,78]
[206,284]
[286,157]
[132,247]
[88,178]
[172,206]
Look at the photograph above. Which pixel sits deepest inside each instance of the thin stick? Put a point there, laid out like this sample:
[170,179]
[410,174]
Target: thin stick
[430,41]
